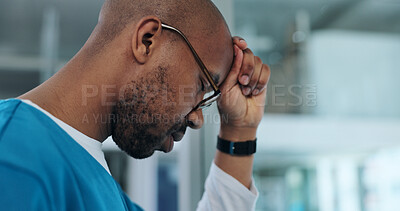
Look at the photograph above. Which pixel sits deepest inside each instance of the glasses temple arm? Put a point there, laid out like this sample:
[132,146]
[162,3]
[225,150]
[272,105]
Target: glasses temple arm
[198,60]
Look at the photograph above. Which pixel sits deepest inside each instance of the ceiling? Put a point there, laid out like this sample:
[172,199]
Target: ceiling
[274,18]
[21,20]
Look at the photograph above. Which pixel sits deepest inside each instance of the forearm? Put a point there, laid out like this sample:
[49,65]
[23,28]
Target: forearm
[239,167]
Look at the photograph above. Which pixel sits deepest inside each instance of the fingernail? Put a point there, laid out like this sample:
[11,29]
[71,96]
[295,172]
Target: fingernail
[245,79]
[255,92]
[242,41]
[246,91]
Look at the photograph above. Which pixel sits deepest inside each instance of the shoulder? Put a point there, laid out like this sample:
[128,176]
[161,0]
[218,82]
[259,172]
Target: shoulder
[21,119]
[7,110]
[21,126]
[32,156]
[27,137]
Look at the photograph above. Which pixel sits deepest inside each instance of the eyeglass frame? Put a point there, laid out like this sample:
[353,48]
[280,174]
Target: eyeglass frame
[217,92]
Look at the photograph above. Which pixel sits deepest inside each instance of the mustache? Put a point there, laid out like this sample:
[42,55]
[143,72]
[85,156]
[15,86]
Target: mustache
[182,129]
[179,127]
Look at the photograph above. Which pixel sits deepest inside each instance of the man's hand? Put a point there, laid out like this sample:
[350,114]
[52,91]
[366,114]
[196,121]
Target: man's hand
[242,102]
[241,107]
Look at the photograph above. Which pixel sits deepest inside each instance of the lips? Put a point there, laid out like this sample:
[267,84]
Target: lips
[168,145]
[177,136]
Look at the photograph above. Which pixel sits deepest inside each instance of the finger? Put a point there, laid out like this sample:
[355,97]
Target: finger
[231,79]
[258,65]
[246,72]
[240,42]
[263,80]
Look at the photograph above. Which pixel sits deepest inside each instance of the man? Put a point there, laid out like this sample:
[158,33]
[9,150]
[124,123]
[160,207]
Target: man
[145,69]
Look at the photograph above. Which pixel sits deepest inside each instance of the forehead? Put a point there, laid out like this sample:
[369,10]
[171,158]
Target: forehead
[216,52]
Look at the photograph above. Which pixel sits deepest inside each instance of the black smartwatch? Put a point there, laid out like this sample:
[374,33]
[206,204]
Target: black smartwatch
[237,148]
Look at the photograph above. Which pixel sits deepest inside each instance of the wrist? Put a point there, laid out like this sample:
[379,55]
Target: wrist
[237,134]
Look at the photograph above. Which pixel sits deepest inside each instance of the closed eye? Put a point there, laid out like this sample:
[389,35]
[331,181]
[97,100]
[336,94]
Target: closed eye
[203,88]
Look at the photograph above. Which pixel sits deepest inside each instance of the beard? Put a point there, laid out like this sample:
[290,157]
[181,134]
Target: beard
[140,136]
[146,116]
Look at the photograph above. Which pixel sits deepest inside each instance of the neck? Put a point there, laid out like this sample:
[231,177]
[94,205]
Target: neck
[77,95]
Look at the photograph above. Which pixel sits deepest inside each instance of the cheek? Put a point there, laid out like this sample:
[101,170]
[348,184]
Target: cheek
[188,92]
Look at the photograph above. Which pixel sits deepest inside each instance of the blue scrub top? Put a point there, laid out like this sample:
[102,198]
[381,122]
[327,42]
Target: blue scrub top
[43,168]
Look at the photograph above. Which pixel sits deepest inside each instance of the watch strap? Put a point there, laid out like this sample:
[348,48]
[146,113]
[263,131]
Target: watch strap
[237,148]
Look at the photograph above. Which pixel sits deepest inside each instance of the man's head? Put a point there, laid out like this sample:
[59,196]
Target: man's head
[158,76]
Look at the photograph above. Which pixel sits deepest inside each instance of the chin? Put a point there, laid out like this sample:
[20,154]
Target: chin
[135,149]
[143,156]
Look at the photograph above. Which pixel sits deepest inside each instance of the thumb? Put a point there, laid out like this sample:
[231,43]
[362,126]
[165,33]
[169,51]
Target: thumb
[232,78]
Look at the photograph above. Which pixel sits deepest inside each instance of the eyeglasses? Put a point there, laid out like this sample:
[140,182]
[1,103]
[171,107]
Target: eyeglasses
[217,93]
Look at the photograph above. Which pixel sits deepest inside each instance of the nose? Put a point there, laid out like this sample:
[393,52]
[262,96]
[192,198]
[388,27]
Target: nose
[195,119]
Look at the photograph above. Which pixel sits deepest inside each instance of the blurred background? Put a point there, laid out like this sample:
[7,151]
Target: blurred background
[330,137]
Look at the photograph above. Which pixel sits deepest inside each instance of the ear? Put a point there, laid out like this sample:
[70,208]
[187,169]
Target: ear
[146,38]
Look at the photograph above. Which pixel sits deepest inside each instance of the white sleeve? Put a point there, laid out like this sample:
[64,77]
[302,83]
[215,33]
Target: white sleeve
[223,192]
